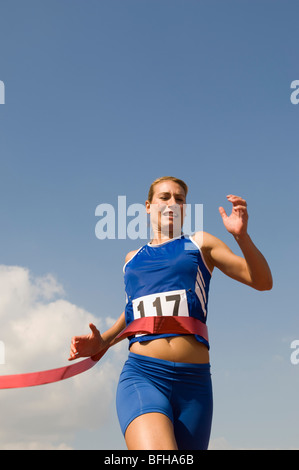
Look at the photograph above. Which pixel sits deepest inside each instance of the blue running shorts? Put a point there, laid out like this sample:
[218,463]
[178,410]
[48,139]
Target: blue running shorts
[181,391]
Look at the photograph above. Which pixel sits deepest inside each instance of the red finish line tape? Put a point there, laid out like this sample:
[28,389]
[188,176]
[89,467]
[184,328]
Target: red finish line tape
[48,376]
[146,325]
[166,325]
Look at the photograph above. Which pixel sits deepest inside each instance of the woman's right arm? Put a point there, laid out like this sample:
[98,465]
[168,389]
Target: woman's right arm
[93,344]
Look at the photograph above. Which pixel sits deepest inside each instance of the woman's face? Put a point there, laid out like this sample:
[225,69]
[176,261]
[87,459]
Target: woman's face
[167,209]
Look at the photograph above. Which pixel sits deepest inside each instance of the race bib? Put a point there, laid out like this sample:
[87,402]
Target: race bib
[173,303]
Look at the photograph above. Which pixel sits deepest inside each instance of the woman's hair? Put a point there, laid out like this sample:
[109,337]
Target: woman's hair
[166,178]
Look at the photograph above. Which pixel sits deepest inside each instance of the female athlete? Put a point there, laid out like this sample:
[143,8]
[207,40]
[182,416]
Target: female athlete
[164,395]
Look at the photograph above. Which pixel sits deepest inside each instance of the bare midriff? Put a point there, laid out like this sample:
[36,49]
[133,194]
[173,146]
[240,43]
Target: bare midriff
[175,349]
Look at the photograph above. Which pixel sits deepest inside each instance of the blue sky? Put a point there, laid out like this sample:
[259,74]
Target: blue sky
[101,98]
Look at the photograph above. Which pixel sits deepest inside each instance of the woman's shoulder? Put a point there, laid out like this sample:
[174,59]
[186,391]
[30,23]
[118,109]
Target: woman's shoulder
[203,239]
[130,255]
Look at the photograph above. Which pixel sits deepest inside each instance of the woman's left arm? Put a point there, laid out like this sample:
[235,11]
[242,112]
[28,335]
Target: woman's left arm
[253,269]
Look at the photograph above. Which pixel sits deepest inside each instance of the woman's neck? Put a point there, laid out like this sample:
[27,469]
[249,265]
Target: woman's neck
[160,237]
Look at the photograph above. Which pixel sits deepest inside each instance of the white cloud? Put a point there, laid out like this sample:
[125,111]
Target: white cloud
[36,327]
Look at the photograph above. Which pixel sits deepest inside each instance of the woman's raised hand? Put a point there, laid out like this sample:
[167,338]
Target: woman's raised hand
[237,222]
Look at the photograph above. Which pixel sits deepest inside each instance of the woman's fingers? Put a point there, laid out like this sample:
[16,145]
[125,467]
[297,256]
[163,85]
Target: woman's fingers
[222,212]
[235,200]
[73,350]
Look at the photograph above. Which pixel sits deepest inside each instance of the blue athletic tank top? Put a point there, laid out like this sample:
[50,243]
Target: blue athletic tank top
[171,278]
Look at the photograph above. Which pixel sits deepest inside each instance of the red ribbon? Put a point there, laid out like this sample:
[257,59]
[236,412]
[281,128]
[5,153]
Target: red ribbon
[48,376]
[166,325]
